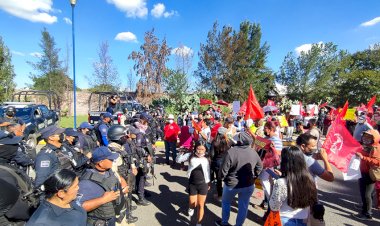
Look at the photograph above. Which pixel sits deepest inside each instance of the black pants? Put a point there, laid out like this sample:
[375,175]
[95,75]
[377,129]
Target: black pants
[140,183]
[366,186]
[216,164]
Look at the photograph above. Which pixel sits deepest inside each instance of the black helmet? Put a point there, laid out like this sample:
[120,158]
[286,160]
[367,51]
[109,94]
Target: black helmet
[116,132]
[10,111]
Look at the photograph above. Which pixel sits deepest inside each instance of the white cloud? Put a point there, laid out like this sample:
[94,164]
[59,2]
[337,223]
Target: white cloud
[159,11]
[32,10]
[132,8]
[305,47]
[372,22]
[36,54]
[126,37]
[17,53]
[67,20]
[182,51]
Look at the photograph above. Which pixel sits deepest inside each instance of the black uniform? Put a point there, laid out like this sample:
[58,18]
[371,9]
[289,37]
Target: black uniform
[87,142]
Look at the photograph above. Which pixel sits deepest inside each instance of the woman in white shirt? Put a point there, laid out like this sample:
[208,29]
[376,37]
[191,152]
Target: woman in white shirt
[199,178]
[294,192]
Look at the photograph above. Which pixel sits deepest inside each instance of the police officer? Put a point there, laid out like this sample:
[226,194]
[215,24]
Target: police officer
[61,189]
[71,143]
[53,155]
[118,136]
[102,127]
[100,189]
[10,117]
[12,153]
[145,152]
[87,137]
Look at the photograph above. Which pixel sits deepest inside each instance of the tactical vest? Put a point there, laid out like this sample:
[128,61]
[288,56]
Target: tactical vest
[65,158]
[111,183]
[91,144]
[122,169]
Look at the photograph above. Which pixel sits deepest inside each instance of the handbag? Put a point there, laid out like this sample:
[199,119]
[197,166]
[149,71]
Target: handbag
[374,173]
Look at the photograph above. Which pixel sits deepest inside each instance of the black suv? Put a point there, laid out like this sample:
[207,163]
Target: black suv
[35,116]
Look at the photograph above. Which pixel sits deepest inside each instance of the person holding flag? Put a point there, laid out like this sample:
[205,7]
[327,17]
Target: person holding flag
[369,158]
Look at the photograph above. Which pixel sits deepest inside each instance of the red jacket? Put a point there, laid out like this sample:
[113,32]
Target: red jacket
[214,130]
[373,158]
[171,132]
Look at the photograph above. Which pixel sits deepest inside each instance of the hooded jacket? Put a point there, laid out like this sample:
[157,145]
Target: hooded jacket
[241,164]
[371,159]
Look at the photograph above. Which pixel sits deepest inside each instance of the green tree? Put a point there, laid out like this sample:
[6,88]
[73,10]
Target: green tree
[313,75]
[176,87]
[232,60]
[105,76]
[50,74]
[150,64]
[7,74]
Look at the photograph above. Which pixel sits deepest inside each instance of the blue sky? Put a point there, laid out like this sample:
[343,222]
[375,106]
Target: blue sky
[286,25]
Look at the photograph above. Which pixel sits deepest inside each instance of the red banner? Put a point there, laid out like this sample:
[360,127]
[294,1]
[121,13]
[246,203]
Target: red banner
[340,145]
[204,101]
[254,110]
[371,102]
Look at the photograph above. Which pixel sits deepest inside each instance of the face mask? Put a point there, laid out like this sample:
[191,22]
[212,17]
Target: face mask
[266,134]
[10,113]
[171,121]
[75,141]
[199,155]
[88,132]
[61,138]
[367,142]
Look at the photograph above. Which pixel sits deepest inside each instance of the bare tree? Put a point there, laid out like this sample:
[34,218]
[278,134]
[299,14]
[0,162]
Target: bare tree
[105,76]
[183,57]
[150,64]
[131,81]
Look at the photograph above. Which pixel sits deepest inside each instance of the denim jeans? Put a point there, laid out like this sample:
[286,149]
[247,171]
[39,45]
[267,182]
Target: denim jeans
[292,222]
[170,146]
[244,195]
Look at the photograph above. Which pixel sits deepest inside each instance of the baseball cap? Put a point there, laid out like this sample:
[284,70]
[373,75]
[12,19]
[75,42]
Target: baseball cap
[7,138]
[144,116]
[107,115]
[50,131]
[71,132]
[103,152]
[171,116]
[85,125]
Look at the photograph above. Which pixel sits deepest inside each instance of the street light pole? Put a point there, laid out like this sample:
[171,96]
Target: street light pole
[73,2]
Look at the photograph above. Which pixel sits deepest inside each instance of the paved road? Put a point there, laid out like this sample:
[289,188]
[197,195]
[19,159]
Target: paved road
[170,202]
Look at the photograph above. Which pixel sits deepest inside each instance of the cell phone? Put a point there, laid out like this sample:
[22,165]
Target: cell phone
[272,173]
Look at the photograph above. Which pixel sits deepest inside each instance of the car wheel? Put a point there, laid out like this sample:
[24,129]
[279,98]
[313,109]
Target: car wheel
[31,141]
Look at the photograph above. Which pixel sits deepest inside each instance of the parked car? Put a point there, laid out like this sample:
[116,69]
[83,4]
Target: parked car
[35,116]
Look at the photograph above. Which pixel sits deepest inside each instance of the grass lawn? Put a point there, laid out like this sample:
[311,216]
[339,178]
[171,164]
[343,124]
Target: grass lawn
[68,122]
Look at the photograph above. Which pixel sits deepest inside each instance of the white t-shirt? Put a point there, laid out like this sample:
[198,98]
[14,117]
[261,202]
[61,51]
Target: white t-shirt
[279,202]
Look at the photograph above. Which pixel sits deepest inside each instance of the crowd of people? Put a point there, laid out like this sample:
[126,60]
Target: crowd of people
[87,175]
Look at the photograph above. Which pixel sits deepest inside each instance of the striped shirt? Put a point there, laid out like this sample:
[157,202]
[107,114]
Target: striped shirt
[277,142]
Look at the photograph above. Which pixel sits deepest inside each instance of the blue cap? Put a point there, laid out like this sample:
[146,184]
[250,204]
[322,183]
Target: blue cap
[103,152]
[7,138]
[71,132]
[107,115]
[144,116]
[86,125]
[50,131]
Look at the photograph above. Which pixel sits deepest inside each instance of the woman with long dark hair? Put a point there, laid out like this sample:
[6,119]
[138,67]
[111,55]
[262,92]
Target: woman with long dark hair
[219,148]
[199,178]
[295,191]
[58,208]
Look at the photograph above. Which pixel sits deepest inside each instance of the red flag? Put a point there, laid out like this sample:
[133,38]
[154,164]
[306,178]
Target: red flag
[371,102]
[243,107]
[302,111]
[343,112]
[340,145]
[322,105]
[222,102]
[204,101]
[254,111]
[271,103]
[312,111]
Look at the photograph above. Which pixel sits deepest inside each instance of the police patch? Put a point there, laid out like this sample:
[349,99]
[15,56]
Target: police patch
[45,163]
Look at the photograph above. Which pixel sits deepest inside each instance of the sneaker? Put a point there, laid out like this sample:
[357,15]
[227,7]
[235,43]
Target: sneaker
[131,219]
[362,216]
[143,202]
[190,212]
[219,223]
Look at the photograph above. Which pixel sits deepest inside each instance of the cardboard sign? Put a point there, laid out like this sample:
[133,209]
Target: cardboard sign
[283,121]
[262,143]
[236,106]
[295,110]
[350,115]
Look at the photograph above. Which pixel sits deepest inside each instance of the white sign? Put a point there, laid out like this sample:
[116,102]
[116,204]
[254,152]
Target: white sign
[353,171]
[236,106]
[295,110]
